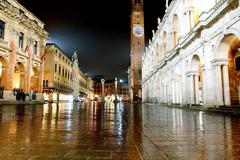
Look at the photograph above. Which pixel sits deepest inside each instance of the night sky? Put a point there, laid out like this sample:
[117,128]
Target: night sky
[98,30]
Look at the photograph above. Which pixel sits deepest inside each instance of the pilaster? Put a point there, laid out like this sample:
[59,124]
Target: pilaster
[10,72]
[219,89]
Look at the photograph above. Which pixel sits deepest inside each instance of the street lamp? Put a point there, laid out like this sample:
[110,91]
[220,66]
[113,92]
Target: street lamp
[102,81]
[116,82]
[121,93]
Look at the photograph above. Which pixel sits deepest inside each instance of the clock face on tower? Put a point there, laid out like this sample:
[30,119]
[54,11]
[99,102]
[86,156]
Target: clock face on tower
[138,31]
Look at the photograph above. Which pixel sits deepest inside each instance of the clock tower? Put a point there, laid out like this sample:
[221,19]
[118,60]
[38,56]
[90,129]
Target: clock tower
[137,49]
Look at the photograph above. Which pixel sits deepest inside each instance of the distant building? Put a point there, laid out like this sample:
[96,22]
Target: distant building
[22,40]
[63,79]
[109,90]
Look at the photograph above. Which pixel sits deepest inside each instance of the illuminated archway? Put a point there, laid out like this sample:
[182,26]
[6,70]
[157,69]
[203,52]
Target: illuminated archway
[19,76]
[234,69]
[196,80]
[177,89]
[3,72]
[35,79]
[228,86]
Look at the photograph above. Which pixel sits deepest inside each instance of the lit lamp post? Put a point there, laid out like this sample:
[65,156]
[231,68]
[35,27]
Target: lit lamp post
[102,81]
[116,82]
[121,94]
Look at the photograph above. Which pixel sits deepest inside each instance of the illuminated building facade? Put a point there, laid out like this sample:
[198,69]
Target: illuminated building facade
[194,56]
[22,40]
[58,74]
[63,79]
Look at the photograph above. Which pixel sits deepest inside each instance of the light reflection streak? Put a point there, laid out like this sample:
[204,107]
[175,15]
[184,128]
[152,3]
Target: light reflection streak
[201,126]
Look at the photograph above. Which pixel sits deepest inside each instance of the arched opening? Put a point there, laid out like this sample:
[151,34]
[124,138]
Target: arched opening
[3,75]
[19,76]
[176,85]
[234,69]
[3,72]
[175,25]
[196,81]
[164,43]
[35,79]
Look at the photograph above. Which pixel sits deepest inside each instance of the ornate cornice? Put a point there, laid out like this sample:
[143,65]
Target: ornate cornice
[17,14]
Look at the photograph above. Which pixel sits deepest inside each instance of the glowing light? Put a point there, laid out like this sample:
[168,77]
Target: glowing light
[0,69]
[32,73]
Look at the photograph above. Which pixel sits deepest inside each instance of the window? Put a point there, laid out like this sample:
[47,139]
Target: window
[55,67]
[45,83]
[35,47]
[63,72]
[20,40]
[59,70]
[237,62]
[2,28]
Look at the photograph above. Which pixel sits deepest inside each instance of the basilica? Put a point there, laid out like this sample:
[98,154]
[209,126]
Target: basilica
[193,57]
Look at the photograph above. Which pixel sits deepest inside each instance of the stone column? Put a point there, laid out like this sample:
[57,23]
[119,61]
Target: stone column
[102,81]
[192,100]
[10,73]
[204,87]
[196,76]
[226,88]
[180,93]
[116,82]
[28,71]
[177,90]
[158,92]
[165,93]
[170,92]
[219,89]
[41,76]
[173,91]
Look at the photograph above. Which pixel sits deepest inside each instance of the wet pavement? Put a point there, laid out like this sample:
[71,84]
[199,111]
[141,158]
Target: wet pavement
[123,131]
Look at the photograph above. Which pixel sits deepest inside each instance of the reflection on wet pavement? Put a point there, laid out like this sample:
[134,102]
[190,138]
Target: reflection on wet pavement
[123,131]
